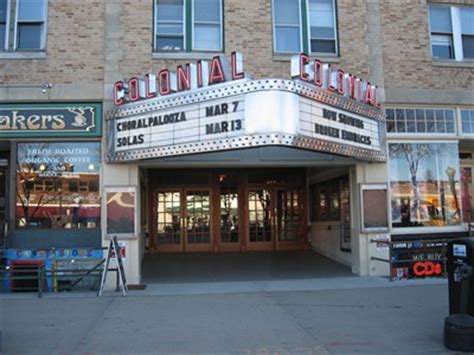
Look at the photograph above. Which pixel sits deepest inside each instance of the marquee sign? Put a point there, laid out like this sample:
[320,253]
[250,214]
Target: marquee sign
[213,106]
[50,120]
[337,81]
[245,114]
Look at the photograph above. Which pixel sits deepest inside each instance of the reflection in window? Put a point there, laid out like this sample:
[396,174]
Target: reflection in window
[169,25]
[424,182]
[187,25]
[448,23]
[57,185]
[330,200]
[259,209]
[31,24]
[323,27]
[229,201]
[467,121]
[287,25]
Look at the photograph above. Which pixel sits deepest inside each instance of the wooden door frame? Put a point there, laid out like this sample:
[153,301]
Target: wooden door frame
[193,248]
[259,246]
[165,248]
[220,246]
[299,243]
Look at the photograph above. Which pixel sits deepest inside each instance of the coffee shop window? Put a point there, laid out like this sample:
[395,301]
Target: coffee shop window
[424,184]
[57,185]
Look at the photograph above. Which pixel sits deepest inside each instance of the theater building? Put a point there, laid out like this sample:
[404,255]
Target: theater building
[274,125]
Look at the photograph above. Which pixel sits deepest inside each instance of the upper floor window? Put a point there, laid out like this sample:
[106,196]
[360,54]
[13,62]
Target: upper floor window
[418,120]
[187,25]
[467,121]
[452,32]
[23,24]
[305,25]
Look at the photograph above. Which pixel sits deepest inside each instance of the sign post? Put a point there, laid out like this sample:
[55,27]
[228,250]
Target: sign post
[113,250]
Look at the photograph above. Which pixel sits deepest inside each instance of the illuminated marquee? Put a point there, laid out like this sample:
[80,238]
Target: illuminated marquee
[187,77]
[324,76]
[216,107]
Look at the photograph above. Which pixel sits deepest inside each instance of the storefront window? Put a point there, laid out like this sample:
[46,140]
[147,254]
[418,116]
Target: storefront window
[57,185]
[424,182]
[330,200]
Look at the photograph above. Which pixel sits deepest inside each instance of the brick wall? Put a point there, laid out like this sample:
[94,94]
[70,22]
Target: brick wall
[75,45]
[407,52]
[248,29]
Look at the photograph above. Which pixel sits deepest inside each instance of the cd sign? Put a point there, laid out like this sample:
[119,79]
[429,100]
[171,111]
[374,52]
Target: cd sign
[427,268]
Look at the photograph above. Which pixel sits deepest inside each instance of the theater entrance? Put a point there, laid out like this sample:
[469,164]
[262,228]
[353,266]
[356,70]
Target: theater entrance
[227,210]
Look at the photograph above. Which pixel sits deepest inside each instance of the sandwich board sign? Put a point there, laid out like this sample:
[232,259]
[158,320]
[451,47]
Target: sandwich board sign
[113,252]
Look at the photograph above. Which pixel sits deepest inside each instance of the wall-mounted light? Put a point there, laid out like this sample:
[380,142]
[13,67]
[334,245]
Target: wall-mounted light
[45,86]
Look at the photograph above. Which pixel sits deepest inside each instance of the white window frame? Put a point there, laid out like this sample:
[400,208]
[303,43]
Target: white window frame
[462,134]
[456,32]
[155,29]
[300,26]
[418,230]
[336,33]
[414,135]
[7,26]
[221,29]
[44,29]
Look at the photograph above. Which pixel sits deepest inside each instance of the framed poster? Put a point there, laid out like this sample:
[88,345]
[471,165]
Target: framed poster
[374,209]
[121,211]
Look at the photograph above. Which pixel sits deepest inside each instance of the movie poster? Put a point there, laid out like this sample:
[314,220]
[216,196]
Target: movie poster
[121,211]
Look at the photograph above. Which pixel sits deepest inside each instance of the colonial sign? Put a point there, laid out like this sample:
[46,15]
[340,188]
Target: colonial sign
[337,81]
[187,77]
[50,120]
[209,111]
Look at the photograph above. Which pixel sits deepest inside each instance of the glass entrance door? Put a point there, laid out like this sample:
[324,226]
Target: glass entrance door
[169,221]
[288,215]
[183,221]
[229,227]
[260,232]
[275,218]
[197,220]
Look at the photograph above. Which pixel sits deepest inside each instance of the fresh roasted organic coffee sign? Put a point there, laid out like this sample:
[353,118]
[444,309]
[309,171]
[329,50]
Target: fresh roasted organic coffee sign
[49,120]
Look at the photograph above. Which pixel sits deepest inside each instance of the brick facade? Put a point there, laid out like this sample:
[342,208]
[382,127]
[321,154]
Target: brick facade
[407,51]
[77,30]
[74,47]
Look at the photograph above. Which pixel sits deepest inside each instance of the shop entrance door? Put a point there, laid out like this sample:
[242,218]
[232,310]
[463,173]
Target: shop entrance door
[275,217]
[183,218]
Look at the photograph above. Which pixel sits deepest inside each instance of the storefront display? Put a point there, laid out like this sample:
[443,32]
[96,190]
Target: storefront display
[425,184]
[58,185]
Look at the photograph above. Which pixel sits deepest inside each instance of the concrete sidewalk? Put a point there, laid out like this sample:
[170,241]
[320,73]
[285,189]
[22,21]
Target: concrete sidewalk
[341,315]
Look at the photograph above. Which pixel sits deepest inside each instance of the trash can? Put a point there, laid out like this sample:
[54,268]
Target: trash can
[459,326]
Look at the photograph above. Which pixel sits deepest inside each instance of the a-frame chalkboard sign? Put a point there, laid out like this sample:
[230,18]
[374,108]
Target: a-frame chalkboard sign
[113,251]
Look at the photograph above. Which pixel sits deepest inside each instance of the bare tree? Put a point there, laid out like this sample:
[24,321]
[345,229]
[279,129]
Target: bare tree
[413,154]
